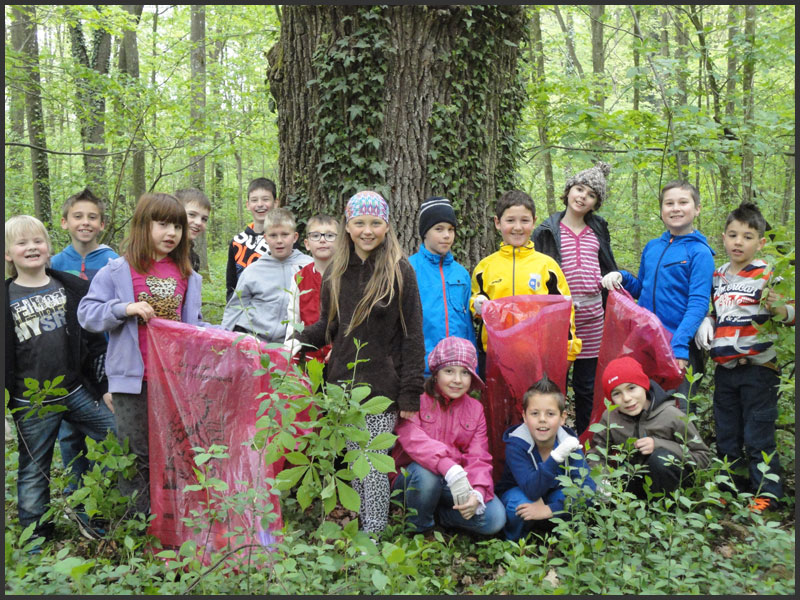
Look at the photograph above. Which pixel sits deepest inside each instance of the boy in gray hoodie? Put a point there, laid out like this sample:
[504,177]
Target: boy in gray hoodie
[260,301]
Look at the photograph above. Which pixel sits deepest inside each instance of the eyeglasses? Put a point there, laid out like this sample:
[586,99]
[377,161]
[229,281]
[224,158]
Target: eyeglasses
[316,236]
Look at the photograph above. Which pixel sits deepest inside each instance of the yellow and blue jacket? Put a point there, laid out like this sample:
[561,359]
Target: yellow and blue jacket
[516,271]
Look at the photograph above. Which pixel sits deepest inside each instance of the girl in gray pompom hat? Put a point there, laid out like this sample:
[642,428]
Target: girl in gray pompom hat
[578,239]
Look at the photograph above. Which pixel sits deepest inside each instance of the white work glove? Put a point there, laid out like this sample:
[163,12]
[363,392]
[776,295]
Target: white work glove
[292,346]
[612,280]
[705,334]
[478,303]
[564,449]
[456,478]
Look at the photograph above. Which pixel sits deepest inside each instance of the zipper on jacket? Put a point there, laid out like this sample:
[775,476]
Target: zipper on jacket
[655,276]
[513,271]
[444,295]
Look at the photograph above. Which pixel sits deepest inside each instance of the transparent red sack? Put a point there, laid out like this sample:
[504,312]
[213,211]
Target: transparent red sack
[202,391]
[630,329]
[527,337]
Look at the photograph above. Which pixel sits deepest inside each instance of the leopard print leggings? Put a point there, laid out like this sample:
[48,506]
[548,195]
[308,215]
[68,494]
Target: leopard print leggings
[374,489]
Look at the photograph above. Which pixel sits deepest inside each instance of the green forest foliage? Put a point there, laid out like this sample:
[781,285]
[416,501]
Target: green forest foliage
[675,95]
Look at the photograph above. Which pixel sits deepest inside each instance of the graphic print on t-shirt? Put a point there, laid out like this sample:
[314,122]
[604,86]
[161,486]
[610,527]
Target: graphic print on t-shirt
[39,313]
[162,297]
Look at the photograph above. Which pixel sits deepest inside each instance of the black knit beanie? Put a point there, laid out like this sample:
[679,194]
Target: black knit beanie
[435,210]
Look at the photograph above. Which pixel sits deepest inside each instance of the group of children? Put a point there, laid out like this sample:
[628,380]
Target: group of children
[414,320]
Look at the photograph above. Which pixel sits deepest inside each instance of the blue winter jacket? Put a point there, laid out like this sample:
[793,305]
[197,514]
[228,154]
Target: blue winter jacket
[440,277]
[70,261]
[537,478]
[674,282]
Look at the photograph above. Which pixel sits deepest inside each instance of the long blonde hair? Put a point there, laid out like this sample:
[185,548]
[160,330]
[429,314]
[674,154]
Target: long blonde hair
[381,284]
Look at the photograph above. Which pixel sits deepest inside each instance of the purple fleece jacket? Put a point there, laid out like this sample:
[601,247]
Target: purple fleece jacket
[103,309]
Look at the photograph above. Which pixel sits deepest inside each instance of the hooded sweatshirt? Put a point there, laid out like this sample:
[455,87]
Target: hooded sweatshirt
[71,261]
[445,296]
[662,421]
[264,288]
[246,247]
[674,282]
[537,478]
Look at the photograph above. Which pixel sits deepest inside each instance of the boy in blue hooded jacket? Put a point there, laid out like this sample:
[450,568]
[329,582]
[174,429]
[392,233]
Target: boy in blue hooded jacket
[444,285]
[674,279]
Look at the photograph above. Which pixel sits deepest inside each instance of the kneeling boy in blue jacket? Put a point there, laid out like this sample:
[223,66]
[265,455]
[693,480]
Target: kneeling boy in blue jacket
[536,451]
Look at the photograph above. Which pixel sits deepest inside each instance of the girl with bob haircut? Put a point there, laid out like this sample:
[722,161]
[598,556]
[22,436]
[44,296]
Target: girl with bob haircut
[153,278]
[369,293]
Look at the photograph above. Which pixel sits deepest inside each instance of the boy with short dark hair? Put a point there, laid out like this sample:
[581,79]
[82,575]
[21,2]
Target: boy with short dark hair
[747,376]
[517,268]
[44,341]
[261,298]
[535,453]
[664,438]
[443,283]
[83,216]
[674,279]
[198,208]
[249,245]
[321,234]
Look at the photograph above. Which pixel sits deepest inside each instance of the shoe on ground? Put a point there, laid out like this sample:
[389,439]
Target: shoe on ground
[81,519]
[760,504]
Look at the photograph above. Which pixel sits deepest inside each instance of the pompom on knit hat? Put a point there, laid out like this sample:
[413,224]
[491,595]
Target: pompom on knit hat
[595,178]
[624,369]
[455,351]
[435,209]
[367,203]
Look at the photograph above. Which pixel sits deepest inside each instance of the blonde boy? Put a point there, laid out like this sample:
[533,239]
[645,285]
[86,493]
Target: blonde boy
[261,298]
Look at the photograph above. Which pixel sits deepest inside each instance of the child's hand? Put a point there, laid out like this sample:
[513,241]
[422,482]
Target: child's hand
[682,363]
[140,309]
[478,303]
[705,334]
[777,311]
[565,448]
[468,508]
[645,445]
[534,511]
[612,280]
[408,414]
[107,399]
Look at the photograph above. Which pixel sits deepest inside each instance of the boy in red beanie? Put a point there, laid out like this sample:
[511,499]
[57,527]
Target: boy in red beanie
[660,430]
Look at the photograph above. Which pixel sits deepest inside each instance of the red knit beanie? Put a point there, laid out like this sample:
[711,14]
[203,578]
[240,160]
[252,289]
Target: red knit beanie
[623,370]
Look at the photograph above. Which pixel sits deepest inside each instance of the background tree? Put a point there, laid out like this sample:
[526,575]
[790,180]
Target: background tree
[409,100]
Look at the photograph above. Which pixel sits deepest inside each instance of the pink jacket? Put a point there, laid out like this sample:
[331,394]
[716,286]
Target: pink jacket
[438,438]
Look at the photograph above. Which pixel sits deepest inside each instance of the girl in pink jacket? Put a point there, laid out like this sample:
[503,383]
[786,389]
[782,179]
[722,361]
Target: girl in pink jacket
[444,448]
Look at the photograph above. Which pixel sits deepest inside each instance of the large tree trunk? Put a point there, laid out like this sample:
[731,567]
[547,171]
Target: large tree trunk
[16,98]
[727,186]
[411,101]
[637,226]
[541,107]
[25,16]
[129,64]
[573,64]
[91,100]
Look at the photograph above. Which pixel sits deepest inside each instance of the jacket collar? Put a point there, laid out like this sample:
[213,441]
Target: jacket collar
[522,432]
[508,250]
[434,258]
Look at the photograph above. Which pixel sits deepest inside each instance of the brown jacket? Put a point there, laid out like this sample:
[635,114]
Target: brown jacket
[663,421]
[395,361]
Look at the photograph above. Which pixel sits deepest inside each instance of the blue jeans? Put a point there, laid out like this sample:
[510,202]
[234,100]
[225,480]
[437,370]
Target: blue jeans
[745,413]
[73,452]
[517,527]
[428,493]
[37,437]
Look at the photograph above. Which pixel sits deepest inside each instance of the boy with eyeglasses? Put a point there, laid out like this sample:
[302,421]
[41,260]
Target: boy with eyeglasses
[321,233]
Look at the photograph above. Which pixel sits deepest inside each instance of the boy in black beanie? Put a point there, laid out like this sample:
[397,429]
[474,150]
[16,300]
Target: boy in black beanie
[444,285]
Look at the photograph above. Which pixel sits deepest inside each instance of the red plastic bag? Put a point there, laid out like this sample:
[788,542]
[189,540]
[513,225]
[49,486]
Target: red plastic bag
[632,330]
[527,337]
[202,391]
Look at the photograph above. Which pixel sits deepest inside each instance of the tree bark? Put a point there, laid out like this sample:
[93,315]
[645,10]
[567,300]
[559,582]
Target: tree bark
[198,112]
[409,100]
[129,64]
[748,73]
[91,101]
[541,107]
[637,227]
[16,96]
[598,55]
[727,186]
[40,170]
[682,75]
[788,188]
